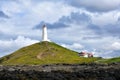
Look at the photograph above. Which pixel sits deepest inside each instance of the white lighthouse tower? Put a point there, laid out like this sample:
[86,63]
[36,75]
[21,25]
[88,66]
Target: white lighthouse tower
[44,33]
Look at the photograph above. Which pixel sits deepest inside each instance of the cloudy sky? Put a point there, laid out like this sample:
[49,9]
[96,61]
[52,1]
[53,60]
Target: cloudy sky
[81,25]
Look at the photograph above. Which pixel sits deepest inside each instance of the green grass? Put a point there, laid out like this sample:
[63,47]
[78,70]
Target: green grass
[44,53]
[112,60]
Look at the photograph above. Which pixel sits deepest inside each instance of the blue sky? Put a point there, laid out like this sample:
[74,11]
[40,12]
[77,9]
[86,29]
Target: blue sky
[81,25]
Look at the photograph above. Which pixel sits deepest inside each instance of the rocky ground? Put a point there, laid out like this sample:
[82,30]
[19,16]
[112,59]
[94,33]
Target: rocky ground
[61,72]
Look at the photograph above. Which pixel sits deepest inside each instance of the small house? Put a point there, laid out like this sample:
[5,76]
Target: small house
[85,54]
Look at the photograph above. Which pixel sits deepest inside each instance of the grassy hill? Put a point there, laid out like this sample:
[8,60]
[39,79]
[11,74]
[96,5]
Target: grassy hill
[44,53]
[112,60]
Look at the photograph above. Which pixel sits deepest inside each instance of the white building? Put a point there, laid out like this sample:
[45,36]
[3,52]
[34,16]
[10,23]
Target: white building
[44,33]
[85,54]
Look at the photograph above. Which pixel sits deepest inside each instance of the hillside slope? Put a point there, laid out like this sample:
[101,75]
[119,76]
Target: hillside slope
[111,60]
[43,53]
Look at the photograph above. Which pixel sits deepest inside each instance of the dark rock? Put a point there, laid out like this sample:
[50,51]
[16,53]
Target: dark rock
[61,72]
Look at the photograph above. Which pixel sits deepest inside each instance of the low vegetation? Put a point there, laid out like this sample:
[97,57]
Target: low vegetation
[44,53]
[111,60]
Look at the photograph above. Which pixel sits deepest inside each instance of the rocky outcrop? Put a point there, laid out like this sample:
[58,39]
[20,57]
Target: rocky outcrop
[61,72]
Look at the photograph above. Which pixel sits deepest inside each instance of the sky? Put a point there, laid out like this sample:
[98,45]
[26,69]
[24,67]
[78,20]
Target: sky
[80,25]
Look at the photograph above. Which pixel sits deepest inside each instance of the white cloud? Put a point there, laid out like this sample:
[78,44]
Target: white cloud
[74,46]
[102,19]
[114,46]
[72,33]
[25,14]
[55,10]
[22,41]
[96,5]
[35,11]
[8,46]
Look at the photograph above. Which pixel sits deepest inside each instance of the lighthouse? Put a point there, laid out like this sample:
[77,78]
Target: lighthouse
[44,33]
